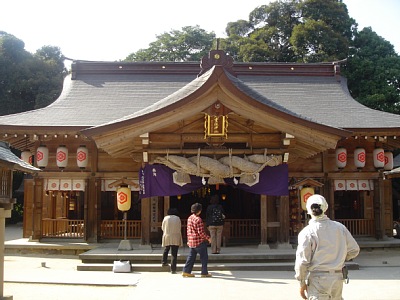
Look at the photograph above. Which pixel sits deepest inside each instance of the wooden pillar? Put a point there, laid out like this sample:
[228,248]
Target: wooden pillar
[379,208]
[330,198]
[382,207]
[91,209]
[146,220]
[37,209]
[167,204]
[284,217]
[28,208]
[264,221]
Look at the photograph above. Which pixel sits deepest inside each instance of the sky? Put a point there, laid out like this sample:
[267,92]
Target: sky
[101,30]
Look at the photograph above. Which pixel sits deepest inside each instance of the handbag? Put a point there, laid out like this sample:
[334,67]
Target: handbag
[122,266]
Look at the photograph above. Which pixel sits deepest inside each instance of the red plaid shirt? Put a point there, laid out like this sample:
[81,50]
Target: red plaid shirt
[195,231]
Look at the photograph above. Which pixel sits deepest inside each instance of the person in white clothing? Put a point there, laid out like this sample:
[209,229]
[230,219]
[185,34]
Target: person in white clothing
[323,247]
[172,238]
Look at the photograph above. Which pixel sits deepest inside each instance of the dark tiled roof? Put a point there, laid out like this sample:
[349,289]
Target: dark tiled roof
[322,100]
[96,98]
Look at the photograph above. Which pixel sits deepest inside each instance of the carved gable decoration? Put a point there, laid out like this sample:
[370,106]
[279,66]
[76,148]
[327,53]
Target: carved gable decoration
[216,58]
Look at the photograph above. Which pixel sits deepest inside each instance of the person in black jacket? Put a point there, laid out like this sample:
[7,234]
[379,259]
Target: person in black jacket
[215,223]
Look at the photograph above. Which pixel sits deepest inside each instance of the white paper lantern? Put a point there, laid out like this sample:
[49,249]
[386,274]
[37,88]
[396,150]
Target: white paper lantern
[62,156]
[82,157]
[26,156]
[388,161]
[124,198]
[379,158]
[341,157]
[42,156]
[359,158]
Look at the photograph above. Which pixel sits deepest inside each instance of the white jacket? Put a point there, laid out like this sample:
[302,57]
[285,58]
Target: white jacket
[323,245]
[172,234]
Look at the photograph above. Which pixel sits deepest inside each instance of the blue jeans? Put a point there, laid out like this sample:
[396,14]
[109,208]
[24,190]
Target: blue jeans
[202,251]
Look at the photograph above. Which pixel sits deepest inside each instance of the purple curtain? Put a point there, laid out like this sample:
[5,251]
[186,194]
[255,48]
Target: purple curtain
[157,180]
[274,181]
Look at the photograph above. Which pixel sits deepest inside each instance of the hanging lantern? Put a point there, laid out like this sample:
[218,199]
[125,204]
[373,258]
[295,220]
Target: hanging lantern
[359,158]
[42,156]
[124,198]
[388,161]
[305,193]
[341,157]
[379,158]
[82,156]
[62,156]
[26,156]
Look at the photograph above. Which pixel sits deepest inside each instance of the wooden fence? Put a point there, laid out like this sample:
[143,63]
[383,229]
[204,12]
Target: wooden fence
[62,228]
[233,228]
[359,227]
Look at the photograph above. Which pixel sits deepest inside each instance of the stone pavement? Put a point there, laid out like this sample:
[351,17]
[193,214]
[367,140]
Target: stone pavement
[26,278]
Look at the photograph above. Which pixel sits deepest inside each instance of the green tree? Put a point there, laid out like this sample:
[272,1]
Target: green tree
[28,81]
[50,73]
[189,44]
[373,72]
[265,37]
[293,30]
[325,31]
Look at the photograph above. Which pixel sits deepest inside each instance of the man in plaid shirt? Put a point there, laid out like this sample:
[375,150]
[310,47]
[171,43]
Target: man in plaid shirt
[197,241]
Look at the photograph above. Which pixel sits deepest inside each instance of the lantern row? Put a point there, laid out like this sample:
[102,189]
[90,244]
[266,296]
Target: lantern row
[42,156]
[382,159]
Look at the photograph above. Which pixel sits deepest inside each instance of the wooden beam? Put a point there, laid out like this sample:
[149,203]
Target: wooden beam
[216,151]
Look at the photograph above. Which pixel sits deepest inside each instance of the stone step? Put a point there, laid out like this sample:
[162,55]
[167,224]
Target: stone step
[156,258]
[144,267]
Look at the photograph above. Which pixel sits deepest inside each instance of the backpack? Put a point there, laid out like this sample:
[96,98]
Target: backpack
[217,217]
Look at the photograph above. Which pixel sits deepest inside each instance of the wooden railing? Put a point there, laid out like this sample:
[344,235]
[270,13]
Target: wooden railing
[233,228]
[62,228]
[359,227]
[115,229]
[244,228]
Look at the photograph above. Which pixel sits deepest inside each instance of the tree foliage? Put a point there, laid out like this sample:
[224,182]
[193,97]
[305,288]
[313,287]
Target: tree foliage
[373,72]
[189,44]
[28,81]
[292,31]
[282,31]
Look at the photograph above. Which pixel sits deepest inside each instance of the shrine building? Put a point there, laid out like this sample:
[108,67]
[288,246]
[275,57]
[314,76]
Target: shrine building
[263,136]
